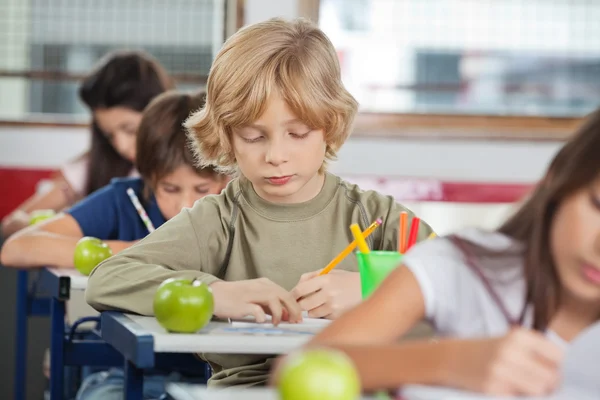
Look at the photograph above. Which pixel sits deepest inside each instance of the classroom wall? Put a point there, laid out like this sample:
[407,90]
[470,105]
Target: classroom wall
[30,153]
[462,160]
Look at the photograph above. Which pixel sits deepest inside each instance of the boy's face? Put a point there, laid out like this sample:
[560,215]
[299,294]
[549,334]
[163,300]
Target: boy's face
[280,154]
[182,187]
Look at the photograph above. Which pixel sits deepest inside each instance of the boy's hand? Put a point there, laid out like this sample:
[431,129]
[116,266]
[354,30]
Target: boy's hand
[256,297]
[521,363]
[328,296]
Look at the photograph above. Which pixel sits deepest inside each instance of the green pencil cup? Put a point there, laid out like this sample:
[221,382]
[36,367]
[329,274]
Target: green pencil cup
[375,267]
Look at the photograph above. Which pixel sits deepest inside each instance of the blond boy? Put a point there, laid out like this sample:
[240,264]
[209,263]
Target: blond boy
[276,112]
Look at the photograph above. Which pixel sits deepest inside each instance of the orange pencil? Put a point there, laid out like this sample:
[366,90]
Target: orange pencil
[350,247]
[402,233]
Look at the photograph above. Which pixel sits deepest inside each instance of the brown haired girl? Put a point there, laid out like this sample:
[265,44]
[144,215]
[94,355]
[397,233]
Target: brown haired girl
[116,92]
[531,286]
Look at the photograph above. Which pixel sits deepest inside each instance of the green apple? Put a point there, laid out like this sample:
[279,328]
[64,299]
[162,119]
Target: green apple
[89,252]
[318,374]
[40,215]
[183,306]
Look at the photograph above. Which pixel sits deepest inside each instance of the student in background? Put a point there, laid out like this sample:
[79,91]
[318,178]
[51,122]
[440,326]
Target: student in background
[169,182]
[516,296]
[276,112]
[116,93]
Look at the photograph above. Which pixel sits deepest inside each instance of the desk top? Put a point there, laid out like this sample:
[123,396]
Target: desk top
[78,281]
[236,337]
[138,337]
[180,391]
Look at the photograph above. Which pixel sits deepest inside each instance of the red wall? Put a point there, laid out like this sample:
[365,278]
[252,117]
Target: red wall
[17,185]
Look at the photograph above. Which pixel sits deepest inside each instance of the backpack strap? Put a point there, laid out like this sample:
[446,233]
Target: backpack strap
[470,260]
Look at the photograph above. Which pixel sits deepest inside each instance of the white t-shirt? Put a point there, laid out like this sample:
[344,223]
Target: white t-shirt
[75,173]
[457,302]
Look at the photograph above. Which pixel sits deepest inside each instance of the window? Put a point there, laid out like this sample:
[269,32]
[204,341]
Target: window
[65,38]
[474,57]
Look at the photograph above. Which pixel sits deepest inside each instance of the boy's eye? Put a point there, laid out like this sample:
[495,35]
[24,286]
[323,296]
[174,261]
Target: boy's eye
[170,189]
[201,190]
[252,140]
[299,135]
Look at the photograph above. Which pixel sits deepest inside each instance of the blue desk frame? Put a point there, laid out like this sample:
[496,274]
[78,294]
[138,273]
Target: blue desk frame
[28,305]
[64,349]
[137,348]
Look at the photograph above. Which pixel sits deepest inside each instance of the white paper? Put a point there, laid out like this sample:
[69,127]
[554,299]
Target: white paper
[581,368]
[580,376]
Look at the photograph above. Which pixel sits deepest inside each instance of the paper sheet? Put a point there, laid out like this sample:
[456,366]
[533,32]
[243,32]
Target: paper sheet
[580,376]
[308,326]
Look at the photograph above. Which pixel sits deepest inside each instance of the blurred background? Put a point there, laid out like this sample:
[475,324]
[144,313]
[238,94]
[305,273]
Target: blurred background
[463,102]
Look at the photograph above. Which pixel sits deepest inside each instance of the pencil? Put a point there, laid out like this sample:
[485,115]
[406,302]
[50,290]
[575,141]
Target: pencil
[432,235]
[349,248]
[403,231]
[359,239]
[141,212]
[414,230]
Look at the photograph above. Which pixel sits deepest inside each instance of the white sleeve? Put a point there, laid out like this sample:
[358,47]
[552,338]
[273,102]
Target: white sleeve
[439,268]
[75,173]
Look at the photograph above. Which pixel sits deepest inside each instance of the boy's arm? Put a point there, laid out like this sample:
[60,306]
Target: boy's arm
[50,243]
[128,280]
[53,242]
[190,246]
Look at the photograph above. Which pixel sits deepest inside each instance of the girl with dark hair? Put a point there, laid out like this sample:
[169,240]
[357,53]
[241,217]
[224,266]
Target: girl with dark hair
[116,92]
[512,299]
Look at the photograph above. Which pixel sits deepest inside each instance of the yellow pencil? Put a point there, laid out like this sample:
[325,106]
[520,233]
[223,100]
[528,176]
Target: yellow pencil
[349,248]
[359,239]
[432,235]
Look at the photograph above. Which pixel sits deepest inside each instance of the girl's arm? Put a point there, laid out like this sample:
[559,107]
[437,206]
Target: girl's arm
[520,363]
[60,196]
[390,312]
[49,243]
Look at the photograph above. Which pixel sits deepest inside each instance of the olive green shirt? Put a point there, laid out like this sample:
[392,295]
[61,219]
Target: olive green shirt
[237,235]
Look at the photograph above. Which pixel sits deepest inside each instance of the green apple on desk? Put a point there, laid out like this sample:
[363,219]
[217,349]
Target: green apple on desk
[183,306]
[89,252]
[318,374]
[40,215]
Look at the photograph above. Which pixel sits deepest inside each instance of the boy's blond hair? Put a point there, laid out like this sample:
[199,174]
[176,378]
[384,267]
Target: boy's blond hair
[294,57]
